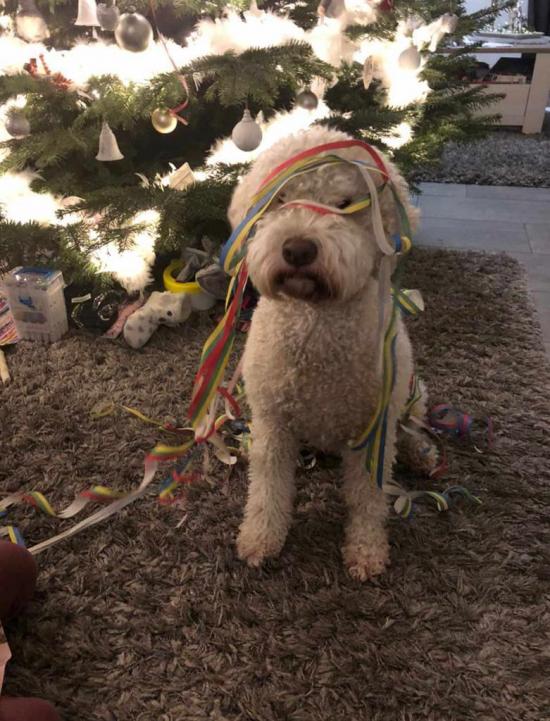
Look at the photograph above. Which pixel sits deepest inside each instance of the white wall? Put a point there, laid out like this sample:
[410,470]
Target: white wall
[473,6]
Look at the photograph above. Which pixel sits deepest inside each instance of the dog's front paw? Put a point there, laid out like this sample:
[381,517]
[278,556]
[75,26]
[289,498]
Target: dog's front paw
[366,561]
[418,452]
[255,545]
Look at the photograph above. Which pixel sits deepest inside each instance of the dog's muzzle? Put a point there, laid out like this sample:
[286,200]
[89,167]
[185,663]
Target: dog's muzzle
[300,279]
[299,252]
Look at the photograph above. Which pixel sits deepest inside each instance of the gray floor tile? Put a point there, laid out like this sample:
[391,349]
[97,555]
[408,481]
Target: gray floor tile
[542,299]
[508,192]
[480,234]
[514,220]
[544,319]
[453,189]
[539,237]
[538,270]
[498,210]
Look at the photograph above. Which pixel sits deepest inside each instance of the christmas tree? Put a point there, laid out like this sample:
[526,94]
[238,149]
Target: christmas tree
[125,127]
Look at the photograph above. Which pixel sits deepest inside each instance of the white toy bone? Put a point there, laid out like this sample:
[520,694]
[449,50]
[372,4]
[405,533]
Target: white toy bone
[161,309]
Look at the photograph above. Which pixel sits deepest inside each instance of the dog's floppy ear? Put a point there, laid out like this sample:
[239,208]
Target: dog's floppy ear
[387,202]
[240,202]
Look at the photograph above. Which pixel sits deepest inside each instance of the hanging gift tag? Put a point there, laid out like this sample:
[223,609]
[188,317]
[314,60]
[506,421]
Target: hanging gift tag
[182,177]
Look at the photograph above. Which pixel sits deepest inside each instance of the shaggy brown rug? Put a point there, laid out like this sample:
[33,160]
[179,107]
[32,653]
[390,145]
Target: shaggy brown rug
[137,620]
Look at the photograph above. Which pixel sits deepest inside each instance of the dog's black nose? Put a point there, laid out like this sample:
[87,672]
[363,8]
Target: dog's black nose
[299,251]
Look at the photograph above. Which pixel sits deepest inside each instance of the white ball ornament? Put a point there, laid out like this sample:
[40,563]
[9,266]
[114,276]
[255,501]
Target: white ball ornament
[29,22]
[247,134]
[307,99]
[17,124]
[409,59]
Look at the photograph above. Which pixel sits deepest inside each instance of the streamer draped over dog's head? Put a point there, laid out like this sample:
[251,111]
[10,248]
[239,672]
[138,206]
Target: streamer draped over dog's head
[234,250]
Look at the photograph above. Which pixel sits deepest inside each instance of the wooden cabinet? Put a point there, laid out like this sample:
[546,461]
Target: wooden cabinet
[513,107]
[524,105]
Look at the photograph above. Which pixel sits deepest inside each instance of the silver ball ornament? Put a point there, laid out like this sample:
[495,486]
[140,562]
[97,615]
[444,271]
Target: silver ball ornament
[133,32]
[307,99]
[247,134]
[409,59]
[108,16]
[17,124]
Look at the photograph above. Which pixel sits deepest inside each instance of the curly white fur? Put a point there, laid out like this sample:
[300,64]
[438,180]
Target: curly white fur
[311,363]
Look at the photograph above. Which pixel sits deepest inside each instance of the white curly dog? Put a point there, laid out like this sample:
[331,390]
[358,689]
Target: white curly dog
[311,363]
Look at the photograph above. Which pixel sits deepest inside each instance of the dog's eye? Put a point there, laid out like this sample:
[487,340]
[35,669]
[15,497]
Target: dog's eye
[343,203]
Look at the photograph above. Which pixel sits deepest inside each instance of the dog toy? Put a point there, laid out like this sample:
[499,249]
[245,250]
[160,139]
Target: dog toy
[452,422]
[161,309]
[97,313]
[213,280]
[200,299]
[8,334]
[124,312]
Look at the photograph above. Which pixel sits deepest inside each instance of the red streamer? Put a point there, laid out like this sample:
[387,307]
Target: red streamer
[59,80]
[181,78]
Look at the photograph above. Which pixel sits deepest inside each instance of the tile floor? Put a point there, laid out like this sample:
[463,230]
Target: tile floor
[491,218]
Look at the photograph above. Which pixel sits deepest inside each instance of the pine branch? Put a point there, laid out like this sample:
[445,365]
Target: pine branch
[369,123]
[54,246]
[43,150]
[185,215]
[480,18]
[23,84]
[449,103]
[383,29]
[304,12]
[257,74]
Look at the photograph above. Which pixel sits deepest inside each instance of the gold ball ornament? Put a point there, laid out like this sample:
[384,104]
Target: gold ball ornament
[163,120]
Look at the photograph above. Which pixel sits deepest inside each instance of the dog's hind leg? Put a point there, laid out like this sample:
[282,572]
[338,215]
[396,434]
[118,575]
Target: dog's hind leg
[366,549]
[415,448]
[268,513]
